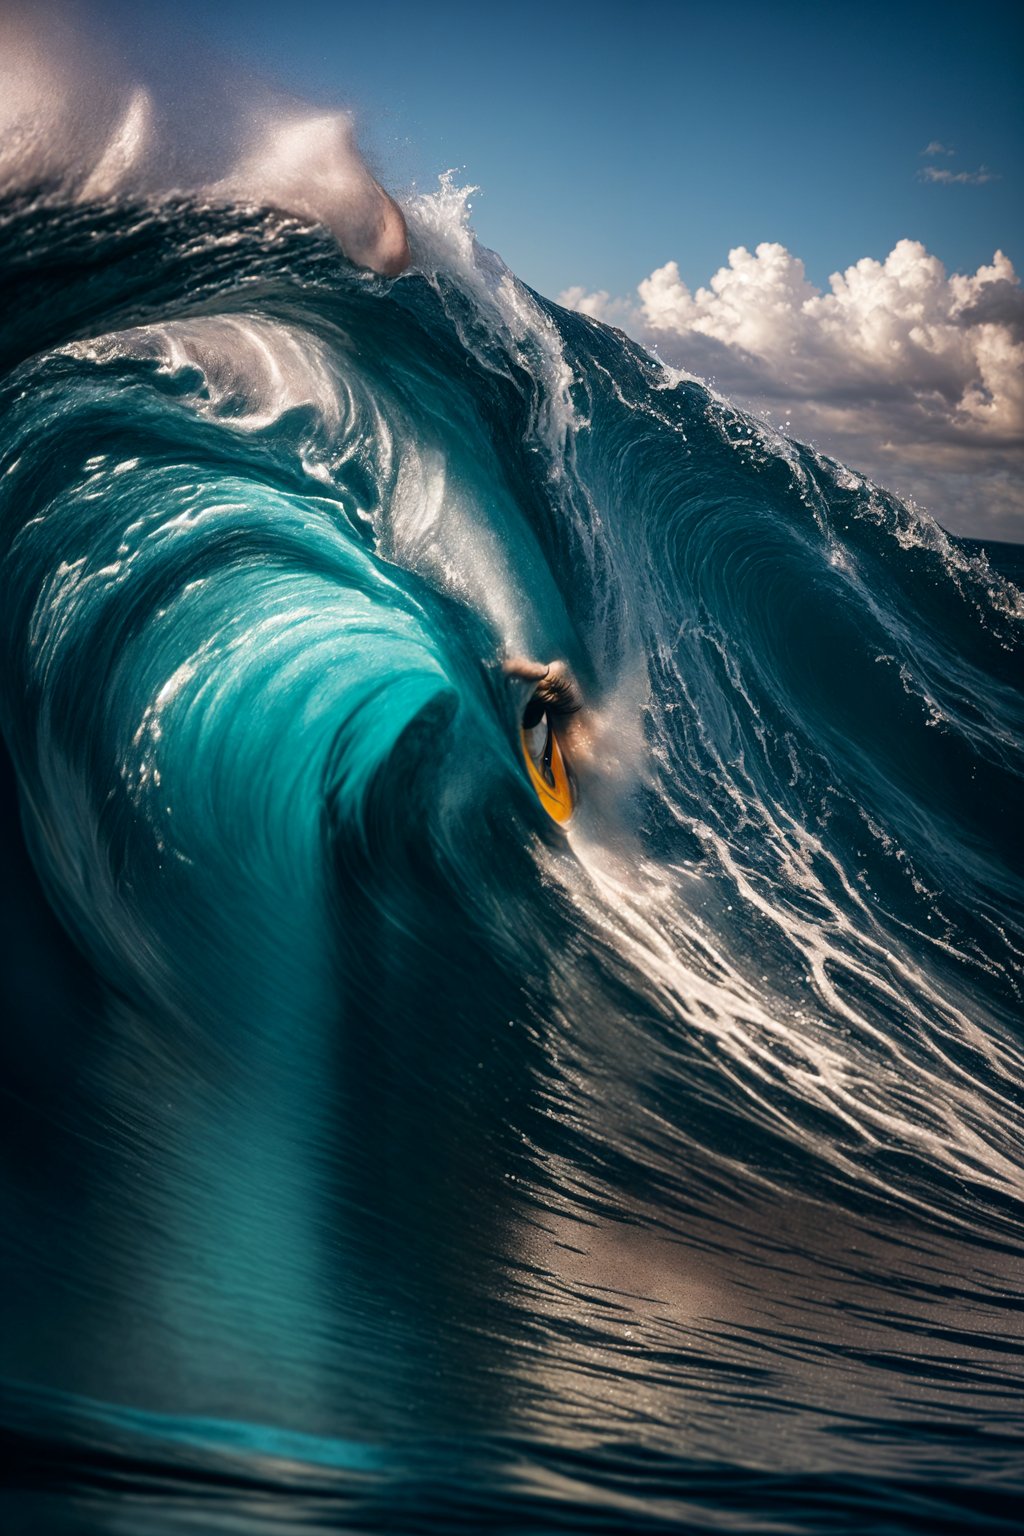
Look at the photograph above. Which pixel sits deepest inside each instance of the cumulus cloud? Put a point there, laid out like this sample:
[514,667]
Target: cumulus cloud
[903,370]
[935,148]
[599,306]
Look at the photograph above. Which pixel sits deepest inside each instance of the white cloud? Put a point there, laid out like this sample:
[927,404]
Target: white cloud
[911,374]
[935,148]
[964,178]
[599,306]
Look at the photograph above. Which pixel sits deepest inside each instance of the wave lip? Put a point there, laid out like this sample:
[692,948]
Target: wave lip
[86,130]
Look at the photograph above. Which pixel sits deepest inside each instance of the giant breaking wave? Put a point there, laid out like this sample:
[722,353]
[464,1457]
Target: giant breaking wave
[371,1146]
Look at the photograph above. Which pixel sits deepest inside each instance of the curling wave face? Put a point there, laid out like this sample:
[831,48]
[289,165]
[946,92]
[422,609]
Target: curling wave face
[378,1108]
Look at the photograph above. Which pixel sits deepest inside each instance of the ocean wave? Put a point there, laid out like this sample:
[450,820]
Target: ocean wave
[380,1106]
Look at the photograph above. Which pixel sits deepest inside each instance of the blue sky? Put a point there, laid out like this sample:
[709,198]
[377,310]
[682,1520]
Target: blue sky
[609,139]
[696,175]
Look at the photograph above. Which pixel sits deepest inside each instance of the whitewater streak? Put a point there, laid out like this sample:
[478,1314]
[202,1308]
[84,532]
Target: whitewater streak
[372,1110]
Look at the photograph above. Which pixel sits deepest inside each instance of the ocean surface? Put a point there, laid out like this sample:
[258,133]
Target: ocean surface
[376,1155]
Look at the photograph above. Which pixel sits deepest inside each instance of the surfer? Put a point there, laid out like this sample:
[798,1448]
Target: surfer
[553,732]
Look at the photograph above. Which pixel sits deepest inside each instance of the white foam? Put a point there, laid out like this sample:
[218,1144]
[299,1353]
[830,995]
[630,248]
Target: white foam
[248,372]
[444,245]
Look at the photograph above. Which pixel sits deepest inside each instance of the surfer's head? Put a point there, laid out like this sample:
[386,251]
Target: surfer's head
[551,733]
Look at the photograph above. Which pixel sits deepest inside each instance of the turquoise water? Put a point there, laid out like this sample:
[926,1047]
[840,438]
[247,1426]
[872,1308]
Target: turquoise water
[375,1155]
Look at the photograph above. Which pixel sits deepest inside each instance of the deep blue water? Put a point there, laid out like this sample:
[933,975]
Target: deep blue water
[374,1155]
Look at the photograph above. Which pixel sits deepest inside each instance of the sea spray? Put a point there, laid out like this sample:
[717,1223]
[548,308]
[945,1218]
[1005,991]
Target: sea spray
[75,125]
